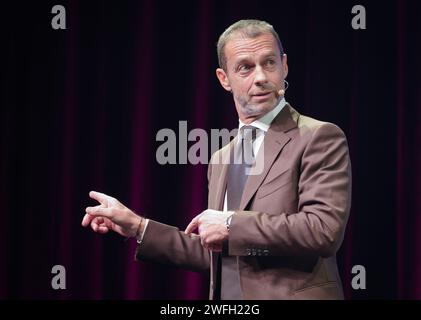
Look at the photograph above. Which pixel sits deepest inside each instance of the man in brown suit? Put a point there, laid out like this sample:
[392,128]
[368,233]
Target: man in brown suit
[274,224]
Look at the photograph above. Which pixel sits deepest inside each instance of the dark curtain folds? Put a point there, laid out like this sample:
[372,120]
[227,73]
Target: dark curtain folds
[80,109]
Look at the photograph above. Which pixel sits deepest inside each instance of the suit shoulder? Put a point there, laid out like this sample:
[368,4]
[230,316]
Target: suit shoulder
[313,126]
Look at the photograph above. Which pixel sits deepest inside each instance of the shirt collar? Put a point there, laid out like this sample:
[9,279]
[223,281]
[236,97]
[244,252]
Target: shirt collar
[263,123]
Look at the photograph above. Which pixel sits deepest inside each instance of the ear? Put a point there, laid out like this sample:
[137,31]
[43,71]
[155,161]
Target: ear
[285,65]
[223,79]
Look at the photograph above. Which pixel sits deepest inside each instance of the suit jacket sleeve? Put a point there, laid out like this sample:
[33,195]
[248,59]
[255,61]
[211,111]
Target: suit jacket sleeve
[324,189]
[168,245]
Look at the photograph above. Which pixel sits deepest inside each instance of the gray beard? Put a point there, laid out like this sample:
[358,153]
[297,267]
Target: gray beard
[250,109]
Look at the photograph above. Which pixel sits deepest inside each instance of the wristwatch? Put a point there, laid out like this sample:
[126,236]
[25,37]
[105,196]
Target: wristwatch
[228,222]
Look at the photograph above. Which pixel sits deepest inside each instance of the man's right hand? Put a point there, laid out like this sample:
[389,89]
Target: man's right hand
[111,215]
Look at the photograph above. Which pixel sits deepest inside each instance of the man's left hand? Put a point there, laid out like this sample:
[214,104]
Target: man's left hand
[212,228]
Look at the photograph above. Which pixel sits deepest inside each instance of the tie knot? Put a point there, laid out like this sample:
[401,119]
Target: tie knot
[248,133]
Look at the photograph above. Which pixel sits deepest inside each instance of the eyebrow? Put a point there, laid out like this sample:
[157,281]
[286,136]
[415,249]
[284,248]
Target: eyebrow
[247,59]
[241,61]
[269,55]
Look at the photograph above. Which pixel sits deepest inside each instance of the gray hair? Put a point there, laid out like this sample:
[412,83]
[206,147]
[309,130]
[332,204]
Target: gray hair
[249,28]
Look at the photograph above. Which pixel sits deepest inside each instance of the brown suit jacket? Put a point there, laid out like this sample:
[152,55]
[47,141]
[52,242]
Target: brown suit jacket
[291,220]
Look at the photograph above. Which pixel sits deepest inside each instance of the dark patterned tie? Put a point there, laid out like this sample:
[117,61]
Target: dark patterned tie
[241,162]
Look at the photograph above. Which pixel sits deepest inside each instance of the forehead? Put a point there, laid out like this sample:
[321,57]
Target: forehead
[239,46]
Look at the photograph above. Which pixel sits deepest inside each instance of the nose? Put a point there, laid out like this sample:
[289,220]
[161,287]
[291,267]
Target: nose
[260,76]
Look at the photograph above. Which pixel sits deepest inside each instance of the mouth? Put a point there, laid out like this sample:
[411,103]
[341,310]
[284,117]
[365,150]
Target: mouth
[262,95]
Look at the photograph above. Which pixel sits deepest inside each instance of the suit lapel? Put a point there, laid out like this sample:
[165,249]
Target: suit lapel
[221,175]
[274,141]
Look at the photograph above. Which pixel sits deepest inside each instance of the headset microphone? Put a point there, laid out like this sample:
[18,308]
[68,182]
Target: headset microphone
[281,92]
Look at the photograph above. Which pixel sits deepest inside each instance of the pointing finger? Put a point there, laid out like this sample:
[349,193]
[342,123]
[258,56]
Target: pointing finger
[100,197]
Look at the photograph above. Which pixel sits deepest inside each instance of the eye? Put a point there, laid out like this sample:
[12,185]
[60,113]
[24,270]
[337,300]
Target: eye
[270,62]
[244,67]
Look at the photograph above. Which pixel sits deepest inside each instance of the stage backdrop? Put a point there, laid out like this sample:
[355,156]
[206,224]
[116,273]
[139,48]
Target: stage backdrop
[80,109]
